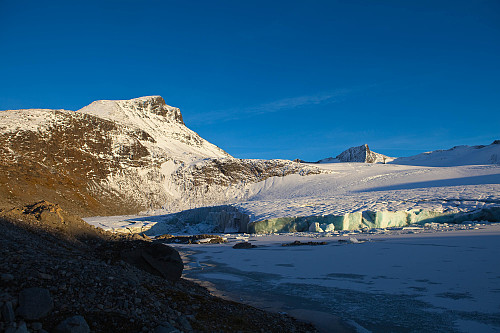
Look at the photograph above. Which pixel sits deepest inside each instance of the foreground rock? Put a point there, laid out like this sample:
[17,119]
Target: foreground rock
[89,282]
[75,324]
[34,303]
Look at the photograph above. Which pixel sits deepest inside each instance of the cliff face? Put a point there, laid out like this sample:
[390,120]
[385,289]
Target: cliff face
[119,157]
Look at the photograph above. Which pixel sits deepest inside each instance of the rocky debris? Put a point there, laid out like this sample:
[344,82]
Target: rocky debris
[244,245]
[298,243]
[8,315]
[50,217]
[192,239]
[90,279]
[6,277]
[19,328]
[166,328]
[75,324]
[34,303]
[155,258]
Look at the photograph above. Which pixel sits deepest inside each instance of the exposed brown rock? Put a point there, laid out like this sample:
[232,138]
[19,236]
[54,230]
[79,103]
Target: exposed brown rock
[67,163]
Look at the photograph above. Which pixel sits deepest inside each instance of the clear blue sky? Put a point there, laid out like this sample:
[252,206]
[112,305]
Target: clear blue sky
[269,79]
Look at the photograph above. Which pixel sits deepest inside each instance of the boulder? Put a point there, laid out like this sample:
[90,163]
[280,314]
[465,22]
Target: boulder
[155,258]
[22,328]
[243,245]
[34,303]
[7,312]
[75,324]
[165,328]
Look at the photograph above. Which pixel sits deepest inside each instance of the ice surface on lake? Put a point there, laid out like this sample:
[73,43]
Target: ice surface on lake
[433,278]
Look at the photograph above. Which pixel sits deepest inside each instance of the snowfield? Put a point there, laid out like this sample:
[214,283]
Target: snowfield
[355,187]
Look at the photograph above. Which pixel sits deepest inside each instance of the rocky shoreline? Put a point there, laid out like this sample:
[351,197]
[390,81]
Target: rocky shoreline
[58,274]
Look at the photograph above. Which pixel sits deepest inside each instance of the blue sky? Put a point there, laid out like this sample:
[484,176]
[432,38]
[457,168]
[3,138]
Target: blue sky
[269,79]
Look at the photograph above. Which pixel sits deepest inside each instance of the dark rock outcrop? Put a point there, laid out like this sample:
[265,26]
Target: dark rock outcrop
[244,245]
[155,258]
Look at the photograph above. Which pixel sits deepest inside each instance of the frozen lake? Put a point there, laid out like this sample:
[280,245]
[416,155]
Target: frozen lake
[413,282]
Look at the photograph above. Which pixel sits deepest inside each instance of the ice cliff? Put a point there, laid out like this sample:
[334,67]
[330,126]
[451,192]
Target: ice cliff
[370,219]
[228,219]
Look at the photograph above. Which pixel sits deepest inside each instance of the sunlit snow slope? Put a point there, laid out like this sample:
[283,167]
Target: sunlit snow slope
[459,155]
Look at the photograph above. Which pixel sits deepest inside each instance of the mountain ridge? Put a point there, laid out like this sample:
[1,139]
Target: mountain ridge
[120,157]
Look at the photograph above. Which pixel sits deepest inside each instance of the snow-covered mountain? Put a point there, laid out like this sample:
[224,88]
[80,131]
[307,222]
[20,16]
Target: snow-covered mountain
[459,155]
[162,122]
[120,157]
[361,154]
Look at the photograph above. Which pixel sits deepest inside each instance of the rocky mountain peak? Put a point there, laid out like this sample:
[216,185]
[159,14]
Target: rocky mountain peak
[362,154]
[142,107]
[157,105]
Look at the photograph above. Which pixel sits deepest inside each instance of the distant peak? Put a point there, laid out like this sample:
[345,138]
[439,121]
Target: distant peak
[361,154]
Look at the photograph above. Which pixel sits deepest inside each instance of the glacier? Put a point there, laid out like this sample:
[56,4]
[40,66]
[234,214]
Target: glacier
[229,219]
[370,219]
